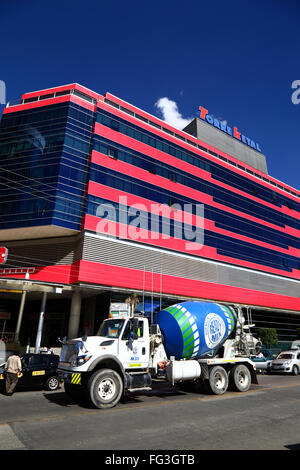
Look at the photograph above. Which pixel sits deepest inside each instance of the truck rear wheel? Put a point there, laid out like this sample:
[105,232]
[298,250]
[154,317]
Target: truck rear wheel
[240,378]
[218,380]
[105,388]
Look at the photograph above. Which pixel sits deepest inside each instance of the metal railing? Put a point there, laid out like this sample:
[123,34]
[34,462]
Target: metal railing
[52,95]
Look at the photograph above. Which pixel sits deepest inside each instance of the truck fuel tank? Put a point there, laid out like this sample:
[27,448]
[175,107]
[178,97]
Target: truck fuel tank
[191,329]
[180,371]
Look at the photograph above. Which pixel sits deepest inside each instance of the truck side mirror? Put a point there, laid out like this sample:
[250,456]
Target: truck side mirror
[134,328]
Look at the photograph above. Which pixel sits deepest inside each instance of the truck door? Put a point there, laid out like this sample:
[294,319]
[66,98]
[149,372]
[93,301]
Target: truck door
[134,353]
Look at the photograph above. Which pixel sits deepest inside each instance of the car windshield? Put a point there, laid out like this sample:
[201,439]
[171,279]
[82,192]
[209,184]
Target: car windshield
[111,328]
[285,356]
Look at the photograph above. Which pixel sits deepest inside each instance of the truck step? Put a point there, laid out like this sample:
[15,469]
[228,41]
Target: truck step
[139,388]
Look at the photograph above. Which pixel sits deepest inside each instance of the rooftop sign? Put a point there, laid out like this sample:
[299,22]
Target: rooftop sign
[233,132]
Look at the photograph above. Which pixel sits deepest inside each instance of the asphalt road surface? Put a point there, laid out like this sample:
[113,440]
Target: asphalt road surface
[267,417]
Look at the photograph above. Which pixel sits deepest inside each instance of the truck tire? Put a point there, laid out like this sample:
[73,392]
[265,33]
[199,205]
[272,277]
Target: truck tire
[218,380]
[240,378]
[105,388]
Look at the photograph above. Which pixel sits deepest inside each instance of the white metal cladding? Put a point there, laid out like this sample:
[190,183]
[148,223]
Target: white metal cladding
[131,255]
[257,281]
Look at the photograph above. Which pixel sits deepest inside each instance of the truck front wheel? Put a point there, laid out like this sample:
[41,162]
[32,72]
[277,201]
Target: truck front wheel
[105,388]
[218,380]
[240,378]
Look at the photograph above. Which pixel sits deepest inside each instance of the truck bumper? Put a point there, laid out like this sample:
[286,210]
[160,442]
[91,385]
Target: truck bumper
[72,378]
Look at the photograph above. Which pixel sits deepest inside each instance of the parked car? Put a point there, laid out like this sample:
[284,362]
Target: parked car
[38,370]
[263,364]
[287,362]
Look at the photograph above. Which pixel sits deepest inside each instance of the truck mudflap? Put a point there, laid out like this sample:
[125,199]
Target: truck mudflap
[253,375]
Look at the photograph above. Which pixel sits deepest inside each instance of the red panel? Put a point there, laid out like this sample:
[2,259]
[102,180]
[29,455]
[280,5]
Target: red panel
[144,175]
[115,276]
[96,225]
[46,91]
[172,139]
[96,273]
[184,145]
[175,187]
[60,99]
[126,232]
[147,116]
[56,274]
[71,86]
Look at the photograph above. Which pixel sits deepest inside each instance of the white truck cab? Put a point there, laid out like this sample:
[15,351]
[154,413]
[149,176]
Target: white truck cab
[121,347]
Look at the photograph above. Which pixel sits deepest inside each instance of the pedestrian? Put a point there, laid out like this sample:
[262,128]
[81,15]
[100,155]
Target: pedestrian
[12,367]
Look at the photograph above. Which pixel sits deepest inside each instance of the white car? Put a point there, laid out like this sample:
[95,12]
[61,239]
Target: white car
[288,362]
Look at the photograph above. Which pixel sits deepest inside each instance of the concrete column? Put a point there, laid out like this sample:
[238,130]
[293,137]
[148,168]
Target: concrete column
[21,310]
[89,315]
[41,323]
[74,315]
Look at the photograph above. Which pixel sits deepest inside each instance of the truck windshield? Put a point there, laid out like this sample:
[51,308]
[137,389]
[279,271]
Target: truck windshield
[111,328]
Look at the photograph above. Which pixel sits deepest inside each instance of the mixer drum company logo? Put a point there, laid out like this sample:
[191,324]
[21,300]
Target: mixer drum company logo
[214,330]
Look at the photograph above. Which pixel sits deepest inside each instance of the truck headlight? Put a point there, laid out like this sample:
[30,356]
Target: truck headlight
[82,360]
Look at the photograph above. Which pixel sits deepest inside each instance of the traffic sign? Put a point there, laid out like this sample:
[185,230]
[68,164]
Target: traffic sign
[3,254]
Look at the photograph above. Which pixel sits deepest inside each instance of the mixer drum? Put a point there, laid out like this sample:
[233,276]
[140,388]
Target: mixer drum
[191,329]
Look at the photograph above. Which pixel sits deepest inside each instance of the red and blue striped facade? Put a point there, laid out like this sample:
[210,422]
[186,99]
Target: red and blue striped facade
[98,150]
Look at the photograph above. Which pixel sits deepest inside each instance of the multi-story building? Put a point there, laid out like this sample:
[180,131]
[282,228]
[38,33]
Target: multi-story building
[100,199]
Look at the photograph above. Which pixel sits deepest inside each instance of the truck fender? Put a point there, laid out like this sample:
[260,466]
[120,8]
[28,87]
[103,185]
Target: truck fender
[108,358]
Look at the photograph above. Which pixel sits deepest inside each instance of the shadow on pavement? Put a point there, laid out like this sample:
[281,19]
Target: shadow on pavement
[159,390]
[293,447]
[62,399]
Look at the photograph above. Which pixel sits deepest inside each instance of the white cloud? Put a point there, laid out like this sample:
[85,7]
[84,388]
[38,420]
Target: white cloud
[171,114]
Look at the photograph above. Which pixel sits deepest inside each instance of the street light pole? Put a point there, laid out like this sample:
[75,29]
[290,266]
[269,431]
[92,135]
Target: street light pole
[21,310]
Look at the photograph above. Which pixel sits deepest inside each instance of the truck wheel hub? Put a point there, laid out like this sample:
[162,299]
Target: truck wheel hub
[219,381]
[106,389]
[242,378]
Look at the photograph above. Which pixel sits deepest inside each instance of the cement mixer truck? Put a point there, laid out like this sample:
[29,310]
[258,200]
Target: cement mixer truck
[188,343]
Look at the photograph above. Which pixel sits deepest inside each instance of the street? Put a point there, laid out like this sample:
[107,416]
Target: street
[265,418]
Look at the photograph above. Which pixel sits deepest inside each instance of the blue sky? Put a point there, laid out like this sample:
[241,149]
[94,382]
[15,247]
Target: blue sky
[236,58]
